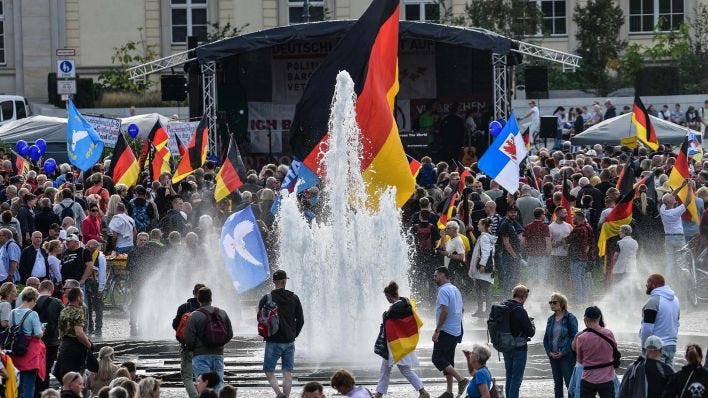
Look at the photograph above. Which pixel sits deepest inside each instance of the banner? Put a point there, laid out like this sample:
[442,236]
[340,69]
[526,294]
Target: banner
[182,129]
[416,62]
[107,128]
[267,117]
[292,66]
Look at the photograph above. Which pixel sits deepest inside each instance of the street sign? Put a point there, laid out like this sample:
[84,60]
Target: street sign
[65,69]
[66,86]
[66,52]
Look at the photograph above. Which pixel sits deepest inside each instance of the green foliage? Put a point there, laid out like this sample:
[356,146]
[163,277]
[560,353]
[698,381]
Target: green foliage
[218,32]
[631,64]
[599,23]
[512,18]
[130,54]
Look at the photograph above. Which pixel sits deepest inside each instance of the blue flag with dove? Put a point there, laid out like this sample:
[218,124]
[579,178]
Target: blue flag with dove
[243,250]
[83,145]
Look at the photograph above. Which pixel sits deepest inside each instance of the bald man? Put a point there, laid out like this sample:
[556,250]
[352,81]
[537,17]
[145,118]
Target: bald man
[34,260]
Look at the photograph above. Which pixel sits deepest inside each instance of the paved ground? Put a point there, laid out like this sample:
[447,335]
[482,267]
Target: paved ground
[244,356]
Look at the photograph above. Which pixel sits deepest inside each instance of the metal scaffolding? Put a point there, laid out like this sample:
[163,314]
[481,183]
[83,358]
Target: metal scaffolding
[209,103]
[501,95]
[138,73]
[548,54]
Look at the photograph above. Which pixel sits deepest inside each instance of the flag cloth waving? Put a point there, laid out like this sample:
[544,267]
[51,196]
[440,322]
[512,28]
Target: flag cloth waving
[158,154]
[402,326]
[625,182]
[369,52]
[195,154]
[503,158]
[20,165]
[620,215]
[124,167]
[243,251]
[231,174]
[567,199]
[642,123]
[83,145]
[680,173]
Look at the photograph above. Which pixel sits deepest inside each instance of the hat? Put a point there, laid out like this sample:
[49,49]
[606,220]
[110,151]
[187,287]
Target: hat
[593,312]
[525,187]
[653,343]
[591,152]
[72,237]
[280,275]
[579,213]
[512,208]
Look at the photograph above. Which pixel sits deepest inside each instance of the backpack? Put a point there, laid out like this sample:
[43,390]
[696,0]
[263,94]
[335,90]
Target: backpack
[16,341]
[141,217]
[268,318]
[499,328]
[179,333]
[424,236]
[215,332]
[67,211]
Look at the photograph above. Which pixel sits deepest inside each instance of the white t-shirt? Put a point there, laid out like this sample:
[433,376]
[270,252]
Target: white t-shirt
[671,218]
[38,269]
[559,232]
[54,268]
[454,245]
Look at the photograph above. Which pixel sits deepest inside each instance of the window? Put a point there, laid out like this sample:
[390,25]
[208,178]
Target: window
[645,15]
[422,10]
[189,18]
[7,110]
[296,7]
[2,33]
[553,17]
[20,109]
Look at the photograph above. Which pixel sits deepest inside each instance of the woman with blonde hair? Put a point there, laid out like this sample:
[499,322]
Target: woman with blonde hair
[8,295]
[106,370]
[31,364]
[561,328]
[54,248]
[112,204]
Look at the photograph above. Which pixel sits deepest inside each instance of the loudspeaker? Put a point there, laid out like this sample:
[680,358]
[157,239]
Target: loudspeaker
[173,87]
[536,79]
[549,127]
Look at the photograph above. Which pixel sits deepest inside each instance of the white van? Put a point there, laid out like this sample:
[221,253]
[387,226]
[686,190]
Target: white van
[13,107]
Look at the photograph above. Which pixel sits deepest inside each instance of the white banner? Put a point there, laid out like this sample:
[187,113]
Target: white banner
[265,118]
[182,129]
[293,65]
[106,128]
[416,63]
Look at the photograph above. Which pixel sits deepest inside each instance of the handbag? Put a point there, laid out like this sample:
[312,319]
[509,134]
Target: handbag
[616,355]
[381,345]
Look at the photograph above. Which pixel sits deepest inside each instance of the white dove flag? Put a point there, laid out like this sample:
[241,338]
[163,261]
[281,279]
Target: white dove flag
[243,251]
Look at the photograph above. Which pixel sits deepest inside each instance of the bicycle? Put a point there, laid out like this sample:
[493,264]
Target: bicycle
[694,276]
[117,291]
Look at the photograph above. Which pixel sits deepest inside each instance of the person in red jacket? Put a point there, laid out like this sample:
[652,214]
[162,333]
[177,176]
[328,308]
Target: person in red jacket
[91,226]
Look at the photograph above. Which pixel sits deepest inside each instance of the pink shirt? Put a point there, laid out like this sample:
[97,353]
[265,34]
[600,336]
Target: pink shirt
[591,350]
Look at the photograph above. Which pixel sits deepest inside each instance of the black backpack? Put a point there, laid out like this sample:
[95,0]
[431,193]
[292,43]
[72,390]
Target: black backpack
[67,211]
[16,341]
[499,328]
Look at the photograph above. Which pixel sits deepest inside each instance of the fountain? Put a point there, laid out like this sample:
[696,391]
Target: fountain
[339,264]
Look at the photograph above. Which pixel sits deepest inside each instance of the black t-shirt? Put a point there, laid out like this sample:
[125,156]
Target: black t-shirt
[73,263]
[509,229]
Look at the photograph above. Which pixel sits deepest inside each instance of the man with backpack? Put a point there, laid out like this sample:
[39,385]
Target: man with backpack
[68,207]
[142,211]
[425,232]
[48,308]
[179,324]
[207,332]
[280,320]
[510,329]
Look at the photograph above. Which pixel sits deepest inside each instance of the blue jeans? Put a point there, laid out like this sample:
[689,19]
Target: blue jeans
[27,380]
[562,369]
[209,363]
[667,354]
[275,351]
[671,244]
[124,250]
[577,272]
[514,362]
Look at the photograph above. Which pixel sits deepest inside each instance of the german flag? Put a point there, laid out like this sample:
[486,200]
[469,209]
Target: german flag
[625,182]
[403,331]
[567,199]
[445,217]
[620,215]
[414,166]
[158,154]
[231,174]
[642,123]
[124,167]
[464,172]
[369,52]
[195,154]
[180,145]
[19,164]
[679,173]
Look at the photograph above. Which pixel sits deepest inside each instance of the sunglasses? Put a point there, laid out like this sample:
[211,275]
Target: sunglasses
[552,302]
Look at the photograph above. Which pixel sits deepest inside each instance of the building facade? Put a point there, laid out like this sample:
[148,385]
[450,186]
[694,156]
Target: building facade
[32,30]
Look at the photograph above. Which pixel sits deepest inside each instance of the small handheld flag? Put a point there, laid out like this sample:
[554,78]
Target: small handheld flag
[83,145]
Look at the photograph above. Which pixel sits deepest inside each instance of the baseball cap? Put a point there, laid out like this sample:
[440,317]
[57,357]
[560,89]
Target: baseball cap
[593,312]
[73,237]
[280,275]
[653,343]
[512,208]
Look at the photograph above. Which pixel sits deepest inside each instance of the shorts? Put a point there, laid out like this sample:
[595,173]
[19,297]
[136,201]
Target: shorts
[444,351]
[275,351]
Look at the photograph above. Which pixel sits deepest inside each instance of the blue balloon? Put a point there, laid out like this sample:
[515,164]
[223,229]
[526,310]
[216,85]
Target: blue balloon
[35,153]
[50,165]
[42,144]
[133,130]
[495,128]
[502,121]
[22,147]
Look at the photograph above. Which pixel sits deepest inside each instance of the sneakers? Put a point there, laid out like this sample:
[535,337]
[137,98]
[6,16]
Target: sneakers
[424,394]
[446,395]
[461,385]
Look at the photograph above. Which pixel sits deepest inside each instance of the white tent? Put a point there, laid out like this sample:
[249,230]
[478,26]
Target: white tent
[611,131]
[144,122]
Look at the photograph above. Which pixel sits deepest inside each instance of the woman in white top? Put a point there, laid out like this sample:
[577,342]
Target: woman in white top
[625,254]
[53,249]
[481,265]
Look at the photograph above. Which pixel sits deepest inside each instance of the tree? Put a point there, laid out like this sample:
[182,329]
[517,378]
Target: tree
[599,23]
[218,33]
[511,18]
[130,54]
